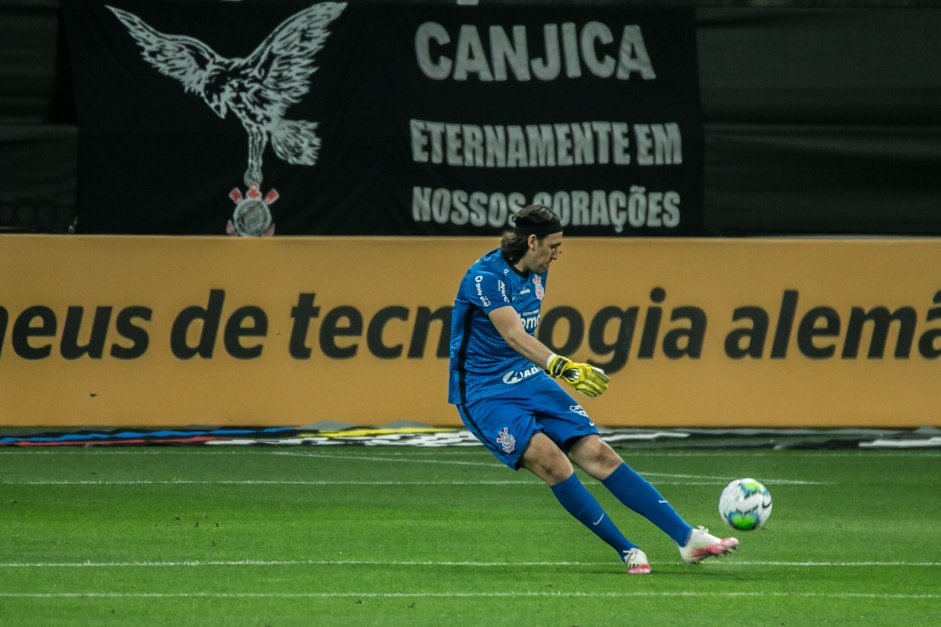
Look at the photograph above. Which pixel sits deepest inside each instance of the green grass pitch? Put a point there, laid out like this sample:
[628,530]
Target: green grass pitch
[412,536]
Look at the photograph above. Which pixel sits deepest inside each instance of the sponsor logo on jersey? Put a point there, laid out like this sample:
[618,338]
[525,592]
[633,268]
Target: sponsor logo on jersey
[506,440]
[530,322]
[578,410]
[515,376]
[480,292]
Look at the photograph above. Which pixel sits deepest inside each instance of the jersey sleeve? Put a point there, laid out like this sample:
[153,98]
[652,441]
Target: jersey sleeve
[487,291]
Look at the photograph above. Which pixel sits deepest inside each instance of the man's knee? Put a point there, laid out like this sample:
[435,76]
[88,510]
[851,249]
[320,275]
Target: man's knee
[595,457]
[546,460]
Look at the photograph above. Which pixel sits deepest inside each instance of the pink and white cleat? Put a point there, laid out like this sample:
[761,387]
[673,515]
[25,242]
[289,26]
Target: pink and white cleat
[701,544]
[636,562]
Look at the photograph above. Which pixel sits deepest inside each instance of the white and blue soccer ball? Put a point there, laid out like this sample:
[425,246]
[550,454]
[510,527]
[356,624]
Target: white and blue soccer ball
[745,504]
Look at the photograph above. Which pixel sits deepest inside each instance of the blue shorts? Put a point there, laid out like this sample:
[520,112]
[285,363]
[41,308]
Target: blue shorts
[506,423]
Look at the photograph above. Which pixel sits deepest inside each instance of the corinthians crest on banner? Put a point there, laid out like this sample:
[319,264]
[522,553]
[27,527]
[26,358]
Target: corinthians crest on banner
[257,89]
[384,118]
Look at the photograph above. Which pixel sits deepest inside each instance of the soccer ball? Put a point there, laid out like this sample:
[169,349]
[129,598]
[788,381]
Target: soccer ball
[745,504]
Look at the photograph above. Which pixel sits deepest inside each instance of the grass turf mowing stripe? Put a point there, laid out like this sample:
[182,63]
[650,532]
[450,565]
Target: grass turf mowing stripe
[194,563]
[477,451]
[463,595]
[250,482]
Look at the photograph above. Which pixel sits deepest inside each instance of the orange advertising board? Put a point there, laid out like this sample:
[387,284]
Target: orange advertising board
[161,331]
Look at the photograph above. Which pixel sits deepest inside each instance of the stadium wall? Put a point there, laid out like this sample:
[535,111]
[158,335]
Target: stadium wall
[163,331]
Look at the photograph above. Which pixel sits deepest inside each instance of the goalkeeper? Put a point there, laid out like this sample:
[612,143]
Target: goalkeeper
[501,382]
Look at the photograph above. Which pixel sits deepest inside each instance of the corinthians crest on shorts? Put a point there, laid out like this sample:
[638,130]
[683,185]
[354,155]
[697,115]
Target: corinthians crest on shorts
[506,440]
[257,89]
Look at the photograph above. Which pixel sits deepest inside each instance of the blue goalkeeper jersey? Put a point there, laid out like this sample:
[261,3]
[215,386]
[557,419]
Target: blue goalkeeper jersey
[482,363]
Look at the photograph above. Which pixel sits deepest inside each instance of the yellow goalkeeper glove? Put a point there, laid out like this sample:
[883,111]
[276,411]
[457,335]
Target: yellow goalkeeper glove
[585,378]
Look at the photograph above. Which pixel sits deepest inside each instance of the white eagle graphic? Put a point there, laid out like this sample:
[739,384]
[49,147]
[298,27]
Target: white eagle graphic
[257,89]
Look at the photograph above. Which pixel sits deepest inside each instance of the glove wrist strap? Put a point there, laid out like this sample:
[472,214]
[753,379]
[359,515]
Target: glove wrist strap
[556,365]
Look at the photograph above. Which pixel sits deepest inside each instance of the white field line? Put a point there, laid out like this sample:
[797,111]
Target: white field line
[395,457]
[442,563]
[460,595]
[398,459]
[386,458]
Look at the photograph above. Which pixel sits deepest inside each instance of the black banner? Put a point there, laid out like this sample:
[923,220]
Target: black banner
[384,118]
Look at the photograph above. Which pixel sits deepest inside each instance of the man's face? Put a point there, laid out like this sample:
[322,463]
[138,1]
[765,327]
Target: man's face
[542,252]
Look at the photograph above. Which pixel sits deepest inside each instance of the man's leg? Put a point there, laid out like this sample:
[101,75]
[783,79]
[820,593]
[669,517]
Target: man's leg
[600,461]
[544,459]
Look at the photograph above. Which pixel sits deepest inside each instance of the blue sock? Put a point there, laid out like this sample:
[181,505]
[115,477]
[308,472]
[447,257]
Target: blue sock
[579,502]
[637,493]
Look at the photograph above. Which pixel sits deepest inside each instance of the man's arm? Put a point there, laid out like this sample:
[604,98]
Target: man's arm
[510,328]
[585,378]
